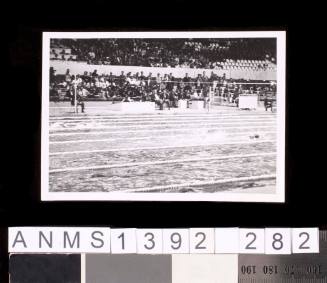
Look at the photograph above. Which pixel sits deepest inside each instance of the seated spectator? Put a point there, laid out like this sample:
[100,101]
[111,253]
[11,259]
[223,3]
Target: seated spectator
[167,92]
[196,95]
[68,76]
[54,95]
[157,99]
[127,98]
[174,52]
[164,96]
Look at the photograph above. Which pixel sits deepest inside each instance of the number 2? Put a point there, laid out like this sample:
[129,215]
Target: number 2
[305,241]
[248,247]
[198,246]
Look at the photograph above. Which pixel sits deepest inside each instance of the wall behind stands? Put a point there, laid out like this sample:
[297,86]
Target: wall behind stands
[81,67]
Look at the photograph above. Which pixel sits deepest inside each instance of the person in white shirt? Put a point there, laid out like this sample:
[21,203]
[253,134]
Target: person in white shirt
[195,95]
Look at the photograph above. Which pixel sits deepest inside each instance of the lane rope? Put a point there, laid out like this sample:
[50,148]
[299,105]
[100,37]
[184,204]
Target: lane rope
[142,138]
[155,130]
[131,164]
[146,126]
[154,148]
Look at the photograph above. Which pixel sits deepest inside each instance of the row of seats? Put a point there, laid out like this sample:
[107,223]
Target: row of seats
[62,53]
[61,50]
[245,65]
[247,61]
[62,57]
[229,67]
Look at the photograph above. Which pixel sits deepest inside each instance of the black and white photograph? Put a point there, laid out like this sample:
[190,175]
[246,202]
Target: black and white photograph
[163,116]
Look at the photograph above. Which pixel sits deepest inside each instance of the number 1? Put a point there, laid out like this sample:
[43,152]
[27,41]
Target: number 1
[122,237]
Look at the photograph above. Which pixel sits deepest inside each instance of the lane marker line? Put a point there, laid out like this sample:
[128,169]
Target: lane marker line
[172,116]
[154,148]
[132,164]
[155,130]
[154,116]
[146,126]
[201,183]
[142,138]
[172,121]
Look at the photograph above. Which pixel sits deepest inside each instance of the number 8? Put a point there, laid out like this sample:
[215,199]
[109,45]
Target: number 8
[279,241]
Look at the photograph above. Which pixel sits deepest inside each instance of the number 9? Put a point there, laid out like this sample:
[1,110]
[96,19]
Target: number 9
[176,239]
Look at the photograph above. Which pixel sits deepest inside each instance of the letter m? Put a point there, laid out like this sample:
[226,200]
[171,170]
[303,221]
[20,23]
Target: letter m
[71,244]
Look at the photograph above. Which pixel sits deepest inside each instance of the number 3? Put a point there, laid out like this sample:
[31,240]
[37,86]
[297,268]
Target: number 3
[151,240]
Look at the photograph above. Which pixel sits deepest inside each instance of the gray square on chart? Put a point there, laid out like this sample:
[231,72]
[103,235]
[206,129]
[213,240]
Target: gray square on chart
[128,268]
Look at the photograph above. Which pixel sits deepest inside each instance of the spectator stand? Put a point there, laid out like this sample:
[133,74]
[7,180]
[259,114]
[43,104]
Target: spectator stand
[165,92]
[206,53]
[119,70]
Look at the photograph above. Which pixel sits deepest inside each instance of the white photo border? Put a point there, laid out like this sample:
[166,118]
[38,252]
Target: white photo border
[278,196]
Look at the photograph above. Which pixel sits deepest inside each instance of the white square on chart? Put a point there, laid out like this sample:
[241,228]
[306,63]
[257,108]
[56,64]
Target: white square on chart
[305,240]
[123,241]
[176,241]
[149,241]
[252,241]
[202,240]
[278,241]
[227,240]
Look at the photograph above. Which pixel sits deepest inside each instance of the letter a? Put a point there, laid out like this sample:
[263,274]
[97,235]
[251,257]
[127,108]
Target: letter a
[19,239]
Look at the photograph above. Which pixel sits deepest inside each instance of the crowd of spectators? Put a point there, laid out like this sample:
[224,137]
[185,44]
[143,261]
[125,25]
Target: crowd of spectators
[150,87]
[169,52]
